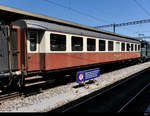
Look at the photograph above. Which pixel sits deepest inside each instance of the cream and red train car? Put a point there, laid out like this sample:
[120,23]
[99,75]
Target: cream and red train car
[47,46]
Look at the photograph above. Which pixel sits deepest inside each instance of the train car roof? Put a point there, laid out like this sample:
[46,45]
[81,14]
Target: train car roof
[41,25]
[11,14]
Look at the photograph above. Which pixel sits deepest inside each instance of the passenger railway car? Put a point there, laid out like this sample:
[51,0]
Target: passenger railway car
[32,46]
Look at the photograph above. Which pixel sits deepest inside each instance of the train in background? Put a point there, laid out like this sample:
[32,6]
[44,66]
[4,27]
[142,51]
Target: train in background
[145,50]
[32,47]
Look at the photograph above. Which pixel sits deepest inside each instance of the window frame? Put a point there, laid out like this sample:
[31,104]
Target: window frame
[139,47]
[135,47]
[51,44]
[119,46]
[99,45]
[122,47]
[131,47]
[87,45]
[127,47]
[29,43]
[112,46]
[71,38]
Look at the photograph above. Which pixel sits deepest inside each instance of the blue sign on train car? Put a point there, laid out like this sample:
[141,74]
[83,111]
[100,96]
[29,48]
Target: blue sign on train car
[83,76]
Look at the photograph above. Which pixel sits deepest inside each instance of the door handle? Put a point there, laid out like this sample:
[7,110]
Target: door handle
[29,57]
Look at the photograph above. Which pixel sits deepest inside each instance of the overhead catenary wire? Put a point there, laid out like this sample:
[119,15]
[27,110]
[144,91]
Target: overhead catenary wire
[125,24]
[140,6]
[77,11]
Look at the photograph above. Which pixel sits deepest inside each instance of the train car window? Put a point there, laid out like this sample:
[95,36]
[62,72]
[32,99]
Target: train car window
[122,46]
[139,47]
[128,47]
[135,47]
[33,40]
[102,44]
[110,45]
[77,43]
[91,44]
[57,42]
[131,47]
[117,46]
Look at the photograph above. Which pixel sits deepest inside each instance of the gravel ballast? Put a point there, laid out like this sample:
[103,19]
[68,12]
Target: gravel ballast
[63,94]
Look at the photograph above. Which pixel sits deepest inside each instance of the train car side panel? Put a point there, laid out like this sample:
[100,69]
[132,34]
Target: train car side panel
[65,60]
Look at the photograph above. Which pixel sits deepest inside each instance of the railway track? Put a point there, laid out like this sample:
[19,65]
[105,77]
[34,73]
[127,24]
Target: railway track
[127,106]
[114,98]
[9,95]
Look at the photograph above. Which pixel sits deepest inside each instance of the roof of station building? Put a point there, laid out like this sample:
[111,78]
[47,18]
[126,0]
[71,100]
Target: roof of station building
[10,14]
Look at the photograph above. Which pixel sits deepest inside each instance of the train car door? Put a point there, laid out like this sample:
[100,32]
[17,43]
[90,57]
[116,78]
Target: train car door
[4,61]
[14,49]
[17,45]
[33,51]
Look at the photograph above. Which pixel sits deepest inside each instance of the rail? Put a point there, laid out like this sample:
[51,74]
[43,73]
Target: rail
[133,98]
[9,95]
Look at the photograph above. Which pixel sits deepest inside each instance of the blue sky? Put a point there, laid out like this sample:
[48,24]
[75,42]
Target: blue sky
[92,12]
